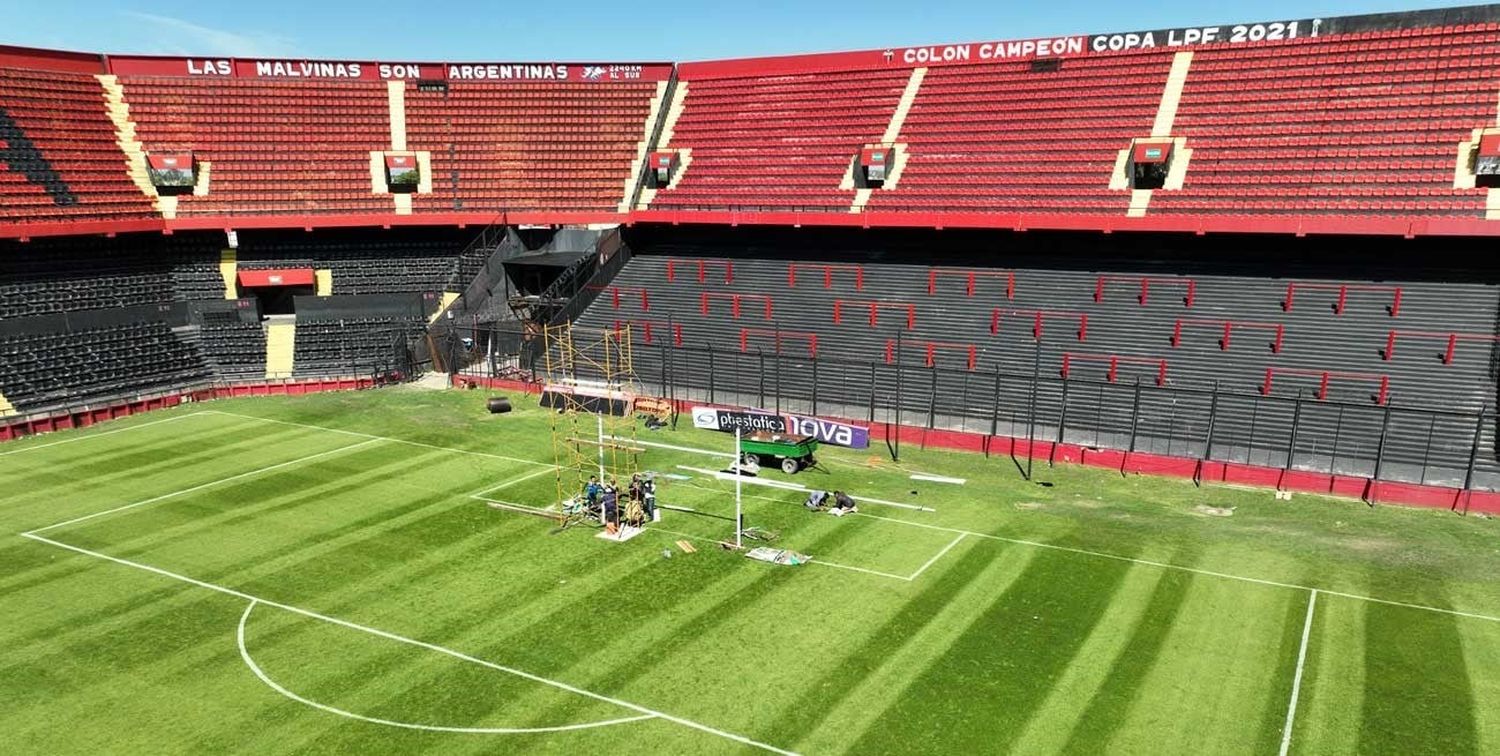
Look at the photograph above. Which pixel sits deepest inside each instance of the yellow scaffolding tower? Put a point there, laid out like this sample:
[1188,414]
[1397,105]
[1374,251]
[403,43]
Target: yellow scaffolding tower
[593,428]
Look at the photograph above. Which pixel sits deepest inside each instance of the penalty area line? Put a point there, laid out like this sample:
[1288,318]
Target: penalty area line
[1193,570]
[688,723]
[814,560]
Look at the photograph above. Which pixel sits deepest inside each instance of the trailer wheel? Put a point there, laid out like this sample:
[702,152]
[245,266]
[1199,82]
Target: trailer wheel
[791,465]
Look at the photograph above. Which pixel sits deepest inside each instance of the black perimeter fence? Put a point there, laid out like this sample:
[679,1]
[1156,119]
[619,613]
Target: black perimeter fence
[1387,443]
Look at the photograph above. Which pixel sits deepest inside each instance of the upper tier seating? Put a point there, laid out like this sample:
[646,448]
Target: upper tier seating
[1355,124]
[1004,137]
[58,157]
[528,146]
[273,146]
[778,141]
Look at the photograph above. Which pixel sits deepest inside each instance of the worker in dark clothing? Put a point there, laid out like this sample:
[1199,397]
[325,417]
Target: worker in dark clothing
[591,492]
[611,501]
[648,497]
[842,504]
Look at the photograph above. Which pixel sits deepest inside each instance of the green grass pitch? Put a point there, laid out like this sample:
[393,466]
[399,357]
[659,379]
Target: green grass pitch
[324,574]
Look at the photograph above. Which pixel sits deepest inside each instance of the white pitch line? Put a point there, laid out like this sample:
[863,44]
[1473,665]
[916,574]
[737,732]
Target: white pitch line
[774,484]
[814,560]
[938,556]
[513,481]
[209,484]
[1193,570]
[249,662]
[522,508]
[101,435]
[381,438]
[688,449]
[413,642]
[826,563]
[1291,708]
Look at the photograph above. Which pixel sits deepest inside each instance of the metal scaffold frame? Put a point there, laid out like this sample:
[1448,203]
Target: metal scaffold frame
[593,427]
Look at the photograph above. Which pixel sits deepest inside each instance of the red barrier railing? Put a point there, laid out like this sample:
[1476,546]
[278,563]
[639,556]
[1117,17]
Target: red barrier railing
[1113,362]
[702,265]
[970,278]
[1145,283]
[1038,318]
[827,269]
[1343,289]
[930,349]
[1452,339]
[1324,377]
[1228,326]
[734,301]
[875,306]
[649,328]
[777,336]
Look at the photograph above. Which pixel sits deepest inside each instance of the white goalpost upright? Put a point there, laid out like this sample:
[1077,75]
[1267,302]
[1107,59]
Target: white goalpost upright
[739,517]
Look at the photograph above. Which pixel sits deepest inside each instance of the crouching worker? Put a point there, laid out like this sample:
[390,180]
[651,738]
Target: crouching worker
[842,504]
[591,493]
[816,501]
[611,502]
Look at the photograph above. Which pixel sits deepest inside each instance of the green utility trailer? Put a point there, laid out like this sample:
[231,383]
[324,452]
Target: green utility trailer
[792,453]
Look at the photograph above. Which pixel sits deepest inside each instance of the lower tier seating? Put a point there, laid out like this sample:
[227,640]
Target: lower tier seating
[352,346]
[39,371]
[233,348]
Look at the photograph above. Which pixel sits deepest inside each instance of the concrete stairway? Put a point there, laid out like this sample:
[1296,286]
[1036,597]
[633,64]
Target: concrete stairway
[281,341]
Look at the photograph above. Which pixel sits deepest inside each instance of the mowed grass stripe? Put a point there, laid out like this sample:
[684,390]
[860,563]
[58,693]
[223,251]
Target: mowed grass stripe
[94,434]
[1333,681]
[1481,648]
[203,559]
[1220,677]
[156,465]
[643,646]
[1417,697]
[1093,697]
[331,665]
[308,499]
[981,691]
[870,671]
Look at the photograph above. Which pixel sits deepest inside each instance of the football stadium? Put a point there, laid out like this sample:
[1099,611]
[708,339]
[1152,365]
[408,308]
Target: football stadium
[1122,392]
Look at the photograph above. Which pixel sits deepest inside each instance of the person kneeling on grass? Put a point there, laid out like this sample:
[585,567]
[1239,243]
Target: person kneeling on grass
[816,500]
[842,504]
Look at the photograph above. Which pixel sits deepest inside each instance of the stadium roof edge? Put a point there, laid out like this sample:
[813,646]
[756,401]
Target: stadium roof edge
[93,62]
[1083,43]
[1199,224]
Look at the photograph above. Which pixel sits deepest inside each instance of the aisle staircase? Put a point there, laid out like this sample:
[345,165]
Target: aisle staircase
[281,342]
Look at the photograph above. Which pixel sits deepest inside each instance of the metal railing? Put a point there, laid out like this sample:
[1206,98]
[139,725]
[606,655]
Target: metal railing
[1389,443]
